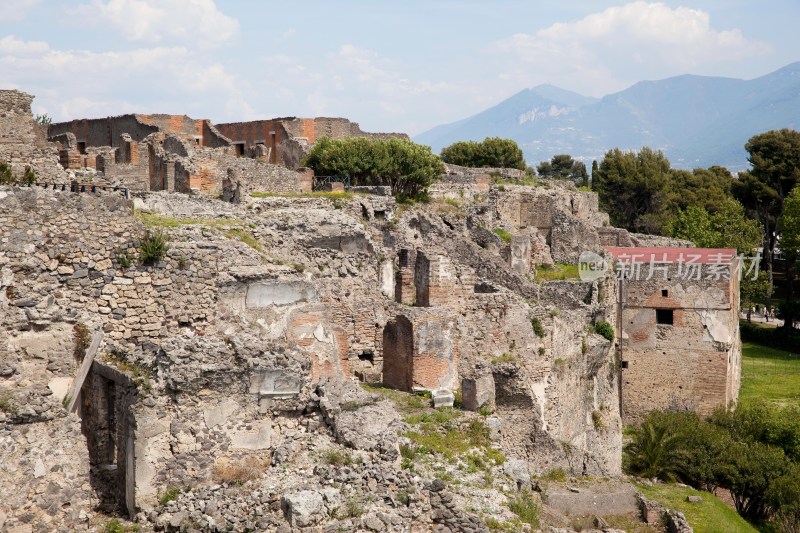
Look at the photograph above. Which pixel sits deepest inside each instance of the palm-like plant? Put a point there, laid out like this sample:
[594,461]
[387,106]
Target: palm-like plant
[654,451]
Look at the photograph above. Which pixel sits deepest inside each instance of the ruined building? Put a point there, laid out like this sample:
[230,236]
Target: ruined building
[285,141]
[244,343]
[680,328]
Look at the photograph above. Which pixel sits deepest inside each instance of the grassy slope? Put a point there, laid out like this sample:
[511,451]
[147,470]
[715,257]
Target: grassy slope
[768,375]
[709,516]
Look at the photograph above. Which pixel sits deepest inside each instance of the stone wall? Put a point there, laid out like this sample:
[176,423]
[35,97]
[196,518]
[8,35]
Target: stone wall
[20,143]
[284,141]
[688,358]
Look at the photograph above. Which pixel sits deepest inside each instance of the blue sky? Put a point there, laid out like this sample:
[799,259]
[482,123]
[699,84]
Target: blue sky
[391,66]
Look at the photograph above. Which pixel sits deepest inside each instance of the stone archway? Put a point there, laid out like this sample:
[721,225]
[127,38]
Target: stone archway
[398,352]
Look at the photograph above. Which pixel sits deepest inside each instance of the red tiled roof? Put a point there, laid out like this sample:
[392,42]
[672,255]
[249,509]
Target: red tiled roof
[703,256]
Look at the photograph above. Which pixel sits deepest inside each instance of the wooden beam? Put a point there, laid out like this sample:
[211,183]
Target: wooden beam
[77,385]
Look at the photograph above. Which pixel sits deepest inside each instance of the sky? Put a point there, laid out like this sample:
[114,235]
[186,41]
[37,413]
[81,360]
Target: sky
[390,66]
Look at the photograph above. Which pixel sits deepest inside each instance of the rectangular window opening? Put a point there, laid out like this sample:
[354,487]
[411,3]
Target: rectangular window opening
[664,293]
[664,316]
[239,149]
[624,364]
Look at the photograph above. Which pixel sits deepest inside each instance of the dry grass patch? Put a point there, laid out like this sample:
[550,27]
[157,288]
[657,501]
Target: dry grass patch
[239,472]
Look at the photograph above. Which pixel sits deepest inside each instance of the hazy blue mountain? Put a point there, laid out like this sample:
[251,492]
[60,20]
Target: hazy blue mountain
[695,120]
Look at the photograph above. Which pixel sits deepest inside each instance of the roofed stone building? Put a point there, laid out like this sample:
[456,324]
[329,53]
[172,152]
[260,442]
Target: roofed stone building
[678,316]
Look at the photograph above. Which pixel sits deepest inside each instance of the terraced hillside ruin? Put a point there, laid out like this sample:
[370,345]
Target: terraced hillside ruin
[276,366]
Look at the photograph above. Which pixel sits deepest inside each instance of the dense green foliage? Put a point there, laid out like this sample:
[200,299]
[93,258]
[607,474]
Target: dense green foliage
[752,451]
[491,152]
[6,176]
[406,167]
[563,167]
[728,227]
[604,329]
[153,247]
[779,338]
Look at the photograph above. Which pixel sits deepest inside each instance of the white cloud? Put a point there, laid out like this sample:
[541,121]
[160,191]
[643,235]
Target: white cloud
[11,45]
[67,85]
[196,23]
[13,11]
[610,49]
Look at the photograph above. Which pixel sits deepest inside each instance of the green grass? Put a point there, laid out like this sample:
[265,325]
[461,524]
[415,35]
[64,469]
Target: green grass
[769,374]
[244,236]
[709,516]
[556,272]
[157,221]
[318,194]
[503,234]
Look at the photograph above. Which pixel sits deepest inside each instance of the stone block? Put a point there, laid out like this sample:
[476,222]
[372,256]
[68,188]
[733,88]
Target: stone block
[477,392]
[275,383]
[443,398]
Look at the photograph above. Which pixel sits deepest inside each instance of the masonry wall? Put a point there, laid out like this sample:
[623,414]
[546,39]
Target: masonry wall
[21,143]
[693,363]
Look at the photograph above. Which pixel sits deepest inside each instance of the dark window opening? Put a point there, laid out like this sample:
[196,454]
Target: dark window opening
[239,149]
[664,316]
[624,364]
[366,355]
[664,293]
[364,211]
[380,214]
[82,147]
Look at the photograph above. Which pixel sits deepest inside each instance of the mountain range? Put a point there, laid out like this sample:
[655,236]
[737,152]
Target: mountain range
[697,121]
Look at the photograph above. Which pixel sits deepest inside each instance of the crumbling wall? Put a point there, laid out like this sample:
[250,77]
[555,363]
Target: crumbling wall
[20,144]
[688,358]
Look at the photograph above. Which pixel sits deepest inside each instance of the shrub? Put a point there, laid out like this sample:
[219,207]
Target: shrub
[503,234]
[169,495]
[29,177]
[114,526]
[604,329]
[337,458]
[537,327]
[556,474]
[82,341]
[154,247]
[124,260]
[6,176]
[491,152]
[777,338]
[5,403]
[525,507]
[408,168]
[597,420]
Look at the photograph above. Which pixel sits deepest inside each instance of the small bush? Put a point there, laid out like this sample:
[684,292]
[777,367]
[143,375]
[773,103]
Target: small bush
[604,329]
[504,358]
[408,451]
[123,260]
[6,176]
[553,313]
[114,526]
[169,495]
[5,403]
[503,234]
[597,420]
[154,247]
[525,507]
[82,341]
[556,474]
[29,177]
[485,410]
[337,458]
[536,324]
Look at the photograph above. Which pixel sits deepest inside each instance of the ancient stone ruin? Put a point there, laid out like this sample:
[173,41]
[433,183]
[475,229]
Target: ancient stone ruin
[212,387]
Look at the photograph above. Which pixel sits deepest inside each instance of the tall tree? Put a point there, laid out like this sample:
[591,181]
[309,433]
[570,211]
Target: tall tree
[564,167]
[492,152]
[789,225]
[775,160]
[632,189]
[408,168]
